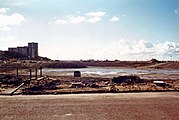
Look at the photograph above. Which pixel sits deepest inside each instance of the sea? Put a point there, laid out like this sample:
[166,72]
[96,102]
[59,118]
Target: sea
[105,71]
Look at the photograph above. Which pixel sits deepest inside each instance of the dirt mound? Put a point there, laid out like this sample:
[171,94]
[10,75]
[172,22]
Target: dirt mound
[154,61]
[173,65]
[165,65]
[127,79]
[64,65]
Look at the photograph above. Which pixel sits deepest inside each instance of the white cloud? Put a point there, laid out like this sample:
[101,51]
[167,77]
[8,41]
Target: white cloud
[96,14]
[143,46]
[9,20]
[136,50]
[121,50]
[167,48]
[14,19]
[76,20]
[176,11]
[71,20]
[93,19]
[114,19]
[3,10]
[60,21]
[4,28]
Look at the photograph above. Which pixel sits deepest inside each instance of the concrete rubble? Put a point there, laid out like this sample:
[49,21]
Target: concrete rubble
[69,84]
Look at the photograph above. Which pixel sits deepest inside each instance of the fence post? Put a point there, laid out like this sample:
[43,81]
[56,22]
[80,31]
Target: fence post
[36,73]
[17,73]
[40,71]
[30,74]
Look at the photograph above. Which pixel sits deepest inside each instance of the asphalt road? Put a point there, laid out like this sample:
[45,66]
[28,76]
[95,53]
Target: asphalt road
[121,106]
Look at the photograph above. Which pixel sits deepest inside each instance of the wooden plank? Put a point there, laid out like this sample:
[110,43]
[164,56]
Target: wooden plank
[17,88]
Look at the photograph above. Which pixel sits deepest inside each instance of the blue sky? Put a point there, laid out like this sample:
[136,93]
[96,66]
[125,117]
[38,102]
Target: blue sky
[93,29]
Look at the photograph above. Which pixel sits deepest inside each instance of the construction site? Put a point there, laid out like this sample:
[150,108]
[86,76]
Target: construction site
[32,80]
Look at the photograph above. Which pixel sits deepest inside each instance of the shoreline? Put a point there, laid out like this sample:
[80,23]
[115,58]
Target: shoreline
[168,65]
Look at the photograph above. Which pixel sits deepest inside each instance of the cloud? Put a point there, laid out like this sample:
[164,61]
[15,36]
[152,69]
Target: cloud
[176,11]
[71,20]
[76,20]
[167,48]
[143,46]
[92,17]
[3,10]
[4,28]
[121,50]
[60,21]
[9,20]
[136,50]
[95,14]
[114,19]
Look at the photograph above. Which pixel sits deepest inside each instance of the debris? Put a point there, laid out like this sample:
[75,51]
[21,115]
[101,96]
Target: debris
[94,85]
[132,79]
[160,83]
[9,79]
[77,85]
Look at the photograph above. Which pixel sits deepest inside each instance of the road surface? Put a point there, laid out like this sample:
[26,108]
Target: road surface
[121,106]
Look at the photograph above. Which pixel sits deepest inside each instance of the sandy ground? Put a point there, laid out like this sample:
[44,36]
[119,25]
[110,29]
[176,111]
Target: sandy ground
[121,106]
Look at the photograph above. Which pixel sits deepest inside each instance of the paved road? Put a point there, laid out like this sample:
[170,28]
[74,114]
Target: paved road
[122,106]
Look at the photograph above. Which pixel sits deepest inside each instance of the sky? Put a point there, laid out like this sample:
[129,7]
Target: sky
[93,29]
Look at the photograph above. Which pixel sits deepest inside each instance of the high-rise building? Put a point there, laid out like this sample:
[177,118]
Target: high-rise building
[30,51]
[33,50]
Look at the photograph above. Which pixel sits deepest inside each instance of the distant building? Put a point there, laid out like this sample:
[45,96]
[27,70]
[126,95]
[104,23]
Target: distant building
[30,51]
[33,50]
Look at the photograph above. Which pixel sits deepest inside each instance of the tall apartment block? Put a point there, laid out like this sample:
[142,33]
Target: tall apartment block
[30,51]
[33,50]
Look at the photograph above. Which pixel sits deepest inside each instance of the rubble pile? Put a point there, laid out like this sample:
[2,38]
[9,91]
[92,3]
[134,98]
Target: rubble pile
[37,86]
[69,85]
[9,79]
[132,79]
